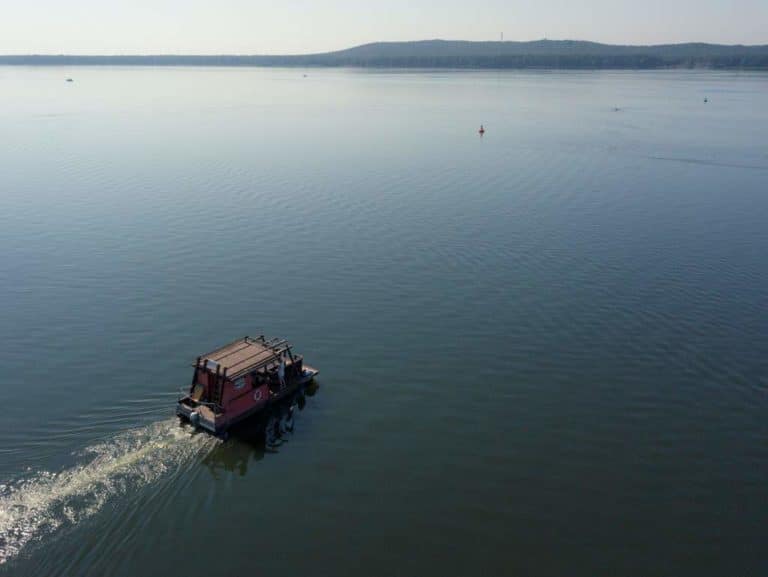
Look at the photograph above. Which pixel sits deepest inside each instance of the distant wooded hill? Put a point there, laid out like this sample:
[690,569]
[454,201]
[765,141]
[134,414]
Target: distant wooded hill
[569,54]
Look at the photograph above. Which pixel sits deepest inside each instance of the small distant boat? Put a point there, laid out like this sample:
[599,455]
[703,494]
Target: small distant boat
[482,130]
[706,99]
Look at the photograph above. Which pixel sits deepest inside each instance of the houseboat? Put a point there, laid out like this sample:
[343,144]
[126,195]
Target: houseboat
[240,380]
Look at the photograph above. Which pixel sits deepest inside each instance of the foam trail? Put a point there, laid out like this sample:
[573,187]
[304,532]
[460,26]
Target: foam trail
[43,502]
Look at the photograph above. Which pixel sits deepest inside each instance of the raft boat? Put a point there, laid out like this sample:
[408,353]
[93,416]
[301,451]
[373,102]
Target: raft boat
[240,380]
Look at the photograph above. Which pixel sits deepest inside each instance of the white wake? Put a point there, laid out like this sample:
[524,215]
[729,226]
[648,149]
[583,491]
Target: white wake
[45,501]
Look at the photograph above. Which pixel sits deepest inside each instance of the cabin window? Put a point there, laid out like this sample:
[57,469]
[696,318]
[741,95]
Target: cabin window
[239,383]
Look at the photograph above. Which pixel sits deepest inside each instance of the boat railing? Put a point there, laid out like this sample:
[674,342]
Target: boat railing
[184,394]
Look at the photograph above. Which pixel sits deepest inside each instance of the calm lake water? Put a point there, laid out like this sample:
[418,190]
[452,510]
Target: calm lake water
[543,352]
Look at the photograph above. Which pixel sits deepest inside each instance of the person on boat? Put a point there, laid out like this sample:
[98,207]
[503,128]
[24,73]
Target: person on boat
[281,371]
[482,129]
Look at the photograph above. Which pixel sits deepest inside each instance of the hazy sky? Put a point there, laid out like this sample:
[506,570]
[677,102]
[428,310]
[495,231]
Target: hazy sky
[296,26]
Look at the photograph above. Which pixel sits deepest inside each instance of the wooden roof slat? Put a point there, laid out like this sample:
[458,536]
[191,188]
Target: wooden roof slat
[243,355]
[254,359]
[220,357]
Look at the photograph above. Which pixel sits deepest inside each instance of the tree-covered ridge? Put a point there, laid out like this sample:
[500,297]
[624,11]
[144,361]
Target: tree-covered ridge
[568,54]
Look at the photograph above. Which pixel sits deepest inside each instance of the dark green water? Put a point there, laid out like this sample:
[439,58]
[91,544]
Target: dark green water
[543,352]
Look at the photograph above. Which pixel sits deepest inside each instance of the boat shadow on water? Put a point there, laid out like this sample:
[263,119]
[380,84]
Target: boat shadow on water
[259,435]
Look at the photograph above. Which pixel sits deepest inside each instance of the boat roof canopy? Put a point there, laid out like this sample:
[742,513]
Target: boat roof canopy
[244,355]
